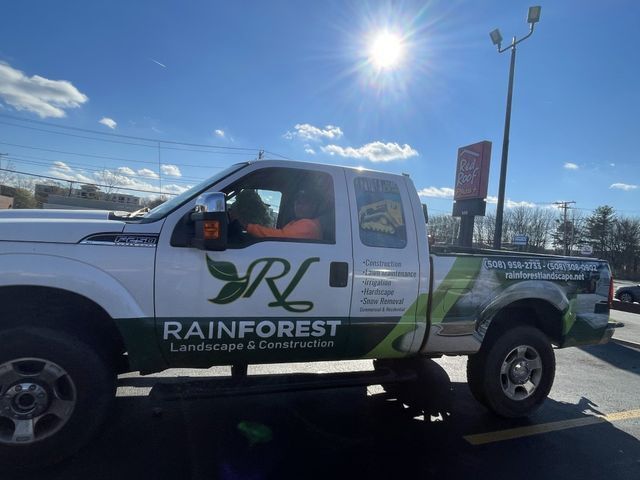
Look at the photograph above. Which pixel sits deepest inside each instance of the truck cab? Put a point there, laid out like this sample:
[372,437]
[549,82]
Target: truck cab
[352,293]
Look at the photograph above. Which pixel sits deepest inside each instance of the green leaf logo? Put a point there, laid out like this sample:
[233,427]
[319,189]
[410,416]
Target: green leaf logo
[236,286]
[230,292]
[225,271]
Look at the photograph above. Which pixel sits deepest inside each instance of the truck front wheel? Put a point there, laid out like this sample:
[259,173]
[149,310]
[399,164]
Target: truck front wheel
[513,372]
[55,392]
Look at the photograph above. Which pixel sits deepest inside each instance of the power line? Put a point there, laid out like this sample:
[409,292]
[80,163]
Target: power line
[119,135]
[83,168]
[105,157]
[91,155]
[277,155]
[131,137]
[84,183]
[156,142]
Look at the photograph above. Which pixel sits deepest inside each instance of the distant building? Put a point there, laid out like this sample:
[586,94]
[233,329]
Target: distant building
[87,197]
[42,192]
[6,202]
[7,191]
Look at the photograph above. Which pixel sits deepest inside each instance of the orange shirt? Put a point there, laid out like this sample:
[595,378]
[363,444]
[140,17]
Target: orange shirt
[302,228]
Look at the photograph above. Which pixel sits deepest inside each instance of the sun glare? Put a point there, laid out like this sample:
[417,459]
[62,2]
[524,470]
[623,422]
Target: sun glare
[386,50]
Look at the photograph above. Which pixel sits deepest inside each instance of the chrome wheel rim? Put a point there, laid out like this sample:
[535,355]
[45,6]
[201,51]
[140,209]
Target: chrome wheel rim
[37,398]
[521,372]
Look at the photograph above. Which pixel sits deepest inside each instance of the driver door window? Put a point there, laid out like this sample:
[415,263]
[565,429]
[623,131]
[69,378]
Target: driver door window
[281,204]
[256,206]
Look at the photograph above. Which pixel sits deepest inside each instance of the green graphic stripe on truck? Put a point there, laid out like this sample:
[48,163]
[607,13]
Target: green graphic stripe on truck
[458,281]
[391,346]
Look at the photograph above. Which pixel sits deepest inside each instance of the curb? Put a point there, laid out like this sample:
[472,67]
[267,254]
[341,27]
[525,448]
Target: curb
[626,343]
[625,307]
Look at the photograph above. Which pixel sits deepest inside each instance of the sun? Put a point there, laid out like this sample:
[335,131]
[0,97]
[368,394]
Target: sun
[386,51]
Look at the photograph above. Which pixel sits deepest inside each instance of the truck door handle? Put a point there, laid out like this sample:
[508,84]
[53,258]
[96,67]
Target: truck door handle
[338,274]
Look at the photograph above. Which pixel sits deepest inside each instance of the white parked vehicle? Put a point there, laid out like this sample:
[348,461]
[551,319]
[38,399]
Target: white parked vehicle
[87,295]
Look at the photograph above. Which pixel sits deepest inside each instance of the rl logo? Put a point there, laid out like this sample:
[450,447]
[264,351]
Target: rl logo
[268,270]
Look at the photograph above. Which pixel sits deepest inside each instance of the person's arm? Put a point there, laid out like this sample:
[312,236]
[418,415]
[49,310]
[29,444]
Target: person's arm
[304,228]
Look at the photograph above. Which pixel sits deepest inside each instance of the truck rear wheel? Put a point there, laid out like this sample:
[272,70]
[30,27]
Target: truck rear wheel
[55,392]
[513,372]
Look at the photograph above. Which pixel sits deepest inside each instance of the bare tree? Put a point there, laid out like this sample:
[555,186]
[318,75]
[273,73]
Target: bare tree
[444,228]
[7,177]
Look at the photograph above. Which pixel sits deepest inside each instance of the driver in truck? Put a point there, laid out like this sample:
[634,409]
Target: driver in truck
[304,226]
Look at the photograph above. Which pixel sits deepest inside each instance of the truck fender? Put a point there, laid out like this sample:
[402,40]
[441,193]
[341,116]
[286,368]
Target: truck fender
[68,274]
[527,290]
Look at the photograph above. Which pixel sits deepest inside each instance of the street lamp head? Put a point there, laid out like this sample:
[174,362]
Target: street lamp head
[496,38]
[534,15]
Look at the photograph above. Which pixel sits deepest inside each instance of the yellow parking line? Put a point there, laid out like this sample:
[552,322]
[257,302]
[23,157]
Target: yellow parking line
[511,433]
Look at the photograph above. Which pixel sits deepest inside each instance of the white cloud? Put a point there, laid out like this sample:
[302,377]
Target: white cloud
[612,164]
[126,171]
[114,179]
[62,166]
[446,192]
[173,188]
[108,122]
[374,151]
[570,166]
[436,192]
[512,204]
[623,186]
[309,150]
[508,203]
[145,172]
[63,171]
[306,131]
[44,97]
[218,132]
[170,170]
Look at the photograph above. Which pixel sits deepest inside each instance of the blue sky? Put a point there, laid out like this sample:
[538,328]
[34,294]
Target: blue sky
[253,71]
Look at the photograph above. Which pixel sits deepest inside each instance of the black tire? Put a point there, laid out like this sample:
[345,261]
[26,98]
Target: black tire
[626,297]
[475,378]
[93,383]
[500,392]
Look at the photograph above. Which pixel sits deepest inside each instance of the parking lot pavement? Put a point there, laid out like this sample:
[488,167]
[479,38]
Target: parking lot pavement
[589,428]
[628,335]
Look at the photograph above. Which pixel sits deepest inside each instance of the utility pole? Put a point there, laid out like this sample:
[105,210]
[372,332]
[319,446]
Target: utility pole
[260,154]
[565,206]
[159,170]
[3,176]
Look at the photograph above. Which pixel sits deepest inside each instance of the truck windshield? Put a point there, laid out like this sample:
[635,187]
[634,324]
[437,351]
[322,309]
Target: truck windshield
[167,207]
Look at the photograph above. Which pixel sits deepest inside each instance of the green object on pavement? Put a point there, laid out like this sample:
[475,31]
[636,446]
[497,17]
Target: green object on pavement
[255,432]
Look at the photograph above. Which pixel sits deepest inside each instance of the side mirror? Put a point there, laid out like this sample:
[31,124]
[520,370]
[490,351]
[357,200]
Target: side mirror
[210,221]
[211,203]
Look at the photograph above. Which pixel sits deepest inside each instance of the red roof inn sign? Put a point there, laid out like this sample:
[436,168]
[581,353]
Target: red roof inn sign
[472,173]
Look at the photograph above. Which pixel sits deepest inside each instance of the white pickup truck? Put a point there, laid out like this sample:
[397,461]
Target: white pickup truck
[87,295]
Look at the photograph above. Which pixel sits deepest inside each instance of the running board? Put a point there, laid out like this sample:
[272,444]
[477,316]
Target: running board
[216,387]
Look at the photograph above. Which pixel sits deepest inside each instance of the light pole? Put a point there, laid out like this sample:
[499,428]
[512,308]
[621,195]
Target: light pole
[496,38]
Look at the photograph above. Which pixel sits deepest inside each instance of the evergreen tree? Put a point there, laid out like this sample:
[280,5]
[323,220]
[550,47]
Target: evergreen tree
[599,231]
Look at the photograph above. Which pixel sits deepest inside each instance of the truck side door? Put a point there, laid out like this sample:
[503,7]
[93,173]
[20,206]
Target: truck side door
[262,299]
[386,266]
